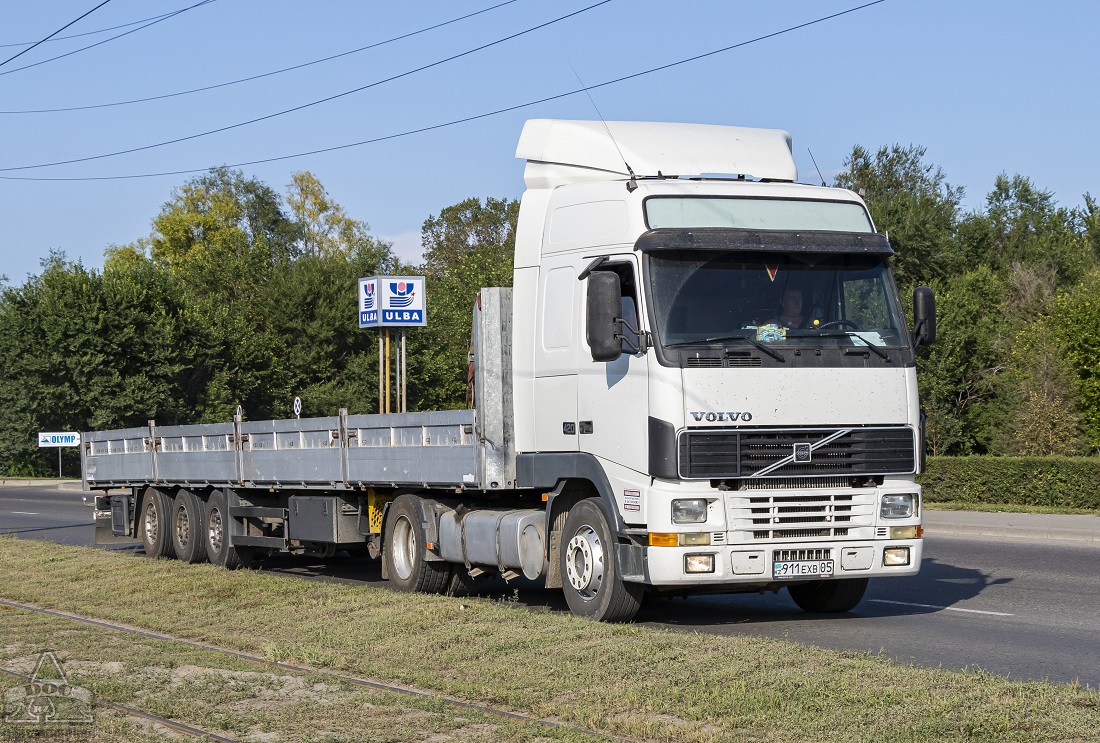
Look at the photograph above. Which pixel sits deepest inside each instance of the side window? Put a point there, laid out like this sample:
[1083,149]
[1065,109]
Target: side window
[630,306]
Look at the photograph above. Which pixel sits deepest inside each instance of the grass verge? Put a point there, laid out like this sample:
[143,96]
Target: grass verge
[227,696]
[626,680]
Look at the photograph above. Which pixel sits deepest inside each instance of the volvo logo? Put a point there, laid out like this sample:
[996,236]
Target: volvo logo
[803,452]
[712,417]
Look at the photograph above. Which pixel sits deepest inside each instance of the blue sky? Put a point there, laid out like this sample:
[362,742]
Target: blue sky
[987,87]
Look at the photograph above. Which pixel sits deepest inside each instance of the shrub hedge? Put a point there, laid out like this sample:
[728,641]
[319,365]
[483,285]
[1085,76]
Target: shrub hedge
[1061,482]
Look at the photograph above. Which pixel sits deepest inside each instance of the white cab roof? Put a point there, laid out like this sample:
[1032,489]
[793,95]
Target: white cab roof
[561,151]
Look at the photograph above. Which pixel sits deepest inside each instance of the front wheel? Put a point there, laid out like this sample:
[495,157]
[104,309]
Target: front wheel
[822,596]
[590,574]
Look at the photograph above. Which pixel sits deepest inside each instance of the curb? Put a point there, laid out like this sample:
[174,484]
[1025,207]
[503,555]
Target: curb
[1028,527]
[59,484]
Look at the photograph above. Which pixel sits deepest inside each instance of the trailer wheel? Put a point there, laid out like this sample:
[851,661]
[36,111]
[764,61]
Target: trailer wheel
[590,574]
[153,524]
[216,523]
[188,527]
[403,551]
[822,596]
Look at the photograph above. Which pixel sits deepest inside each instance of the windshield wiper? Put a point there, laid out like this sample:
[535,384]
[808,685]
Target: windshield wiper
[722,338]
[852,334]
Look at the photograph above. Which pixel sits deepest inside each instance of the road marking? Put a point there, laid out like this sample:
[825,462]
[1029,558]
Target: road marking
[24,513]
[944,608]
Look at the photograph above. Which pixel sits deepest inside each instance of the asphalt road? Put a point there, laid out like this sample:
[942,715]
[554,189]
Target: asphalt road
[1028,610]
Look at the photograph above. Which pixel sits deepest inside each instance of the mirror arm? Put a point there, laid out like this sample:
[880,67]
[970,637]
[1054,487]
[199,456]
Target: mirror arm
[643,338]
[917,337]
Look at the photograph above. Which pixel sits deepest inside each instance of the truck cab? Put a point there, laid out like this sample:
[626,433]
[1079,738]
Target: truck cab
[721,354]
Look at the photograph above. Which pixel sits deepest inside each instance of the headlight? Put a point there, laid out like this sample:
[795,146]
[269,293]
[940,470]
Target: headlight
[689,511]
[897,506]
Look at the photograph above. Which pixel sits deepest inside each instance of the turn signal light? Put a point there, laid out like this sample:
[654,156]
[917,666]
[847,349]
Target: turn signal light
[658,539]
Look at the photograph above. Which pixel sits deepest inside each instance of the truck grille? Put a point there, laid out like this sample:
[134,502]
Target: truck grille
[708,454]
[818,515]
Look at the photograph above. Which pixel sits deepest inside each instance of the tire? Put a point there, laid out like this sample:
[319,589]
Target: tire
[188,527]
[824,596]
[217,535]
[403,551]
[153,524]
[589,571]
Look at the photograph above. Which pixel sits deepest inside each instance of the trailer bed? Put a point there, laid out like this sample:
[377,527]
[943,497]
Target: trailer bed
[436,449]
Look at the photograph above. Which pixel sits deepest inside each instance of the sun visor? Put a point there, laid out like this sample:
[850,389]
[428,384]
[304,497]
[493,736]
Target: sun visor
[806,241]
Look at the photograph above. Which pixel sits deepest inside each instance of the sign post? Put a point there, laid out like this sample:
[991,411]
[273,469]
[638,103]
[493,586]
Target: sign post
[392,302]
[54,439]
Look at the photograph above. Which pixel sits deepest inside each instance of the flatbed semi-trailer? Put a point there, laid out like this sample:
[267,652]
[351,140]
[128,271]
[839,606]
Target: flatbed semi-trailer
[653,410]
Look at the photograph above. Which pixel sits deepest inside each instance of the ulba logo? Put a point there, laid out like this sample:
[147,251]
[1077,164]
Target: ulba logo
[712,417]
[368,299]
[401,294]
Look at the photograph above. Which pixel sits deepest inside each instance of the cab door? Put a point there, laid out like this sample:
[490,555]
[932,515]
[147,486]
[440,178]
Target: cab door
[613,396]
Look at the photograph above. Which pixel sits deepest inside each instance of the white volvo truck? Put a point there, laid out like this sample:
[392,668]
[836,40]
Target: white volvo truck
[701,382]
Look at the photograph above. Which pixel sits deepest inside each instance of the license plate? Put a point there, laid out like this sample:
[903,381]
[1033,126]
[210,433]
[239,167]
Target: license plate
[802,569]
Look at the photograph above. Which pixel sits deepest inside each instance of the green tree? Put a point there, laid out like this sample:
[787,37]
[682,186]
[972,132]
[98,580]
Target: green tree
[1077,313]
[1027,227]
[959,374]
[83,351]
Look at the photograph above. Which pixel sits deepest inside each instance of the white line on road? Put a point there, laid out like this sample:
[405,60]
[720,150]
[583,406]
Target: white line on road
[24,513]
[945,608]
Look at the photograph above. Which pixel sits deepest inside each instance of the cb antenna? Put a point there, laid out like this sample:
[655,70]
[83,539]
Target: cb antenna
[815,166]
[632,184]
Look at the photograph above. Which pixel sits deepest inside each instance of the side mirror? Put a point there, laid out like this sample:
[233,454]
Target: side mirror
[605,299]
[924,316]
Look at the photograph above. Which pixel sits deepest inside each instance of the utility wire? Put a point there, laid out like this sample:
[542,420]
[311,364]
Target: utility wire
[454,122]
[265,74]
[311,103]
[99,43]
[55,33]
[89,33]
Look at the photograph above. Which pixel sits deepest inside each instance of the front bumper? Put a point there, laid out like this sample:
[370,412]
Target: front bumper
[751,564]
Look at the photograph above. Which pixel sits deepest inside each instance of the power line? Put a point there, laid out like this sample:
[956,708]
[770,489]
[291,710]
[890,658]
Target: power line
[454,122]
[55,33]
[265,74]
[89,33]
[311,103]
[105,41]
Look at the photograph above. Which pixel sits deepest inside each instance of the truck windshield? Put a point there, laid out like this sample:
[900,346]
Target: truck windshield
[702,297]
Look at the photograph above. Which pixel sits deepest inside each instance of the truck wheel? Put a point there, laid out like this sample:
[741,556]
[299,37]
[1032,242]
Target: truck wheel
[590,575]
[217,522]
[822,596]
[188,530]
[403,551]
[154,524]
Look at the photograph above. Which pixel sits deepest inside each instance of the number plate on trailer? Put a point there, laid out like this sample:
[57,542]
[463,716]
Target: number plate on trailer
[802,569]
